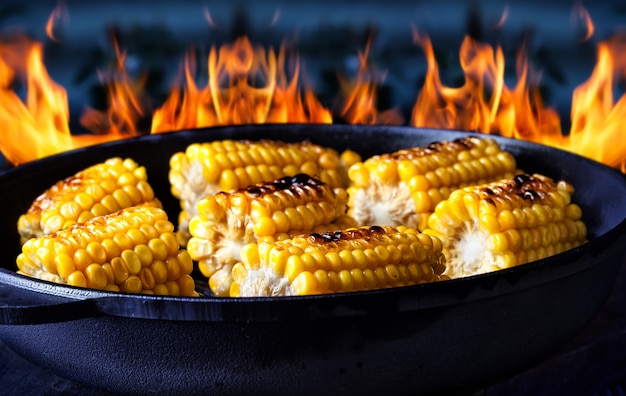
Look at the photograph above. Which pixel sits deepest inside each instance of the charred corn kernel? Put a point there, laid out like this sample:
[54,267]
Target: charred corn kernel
[95,254]
[228,220]
[329,262]
[95,191]
[208,168]
[506,223]
[403,187]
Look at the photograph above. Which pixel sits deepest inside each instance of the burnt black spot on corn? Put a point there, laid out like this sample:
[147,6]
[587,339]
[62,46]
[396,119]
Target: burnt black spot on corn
[266,211]
[356,259]
[95,191]
[208,168]
[403,187]
[507,223]
[133,250]
[294,185]
[365,233]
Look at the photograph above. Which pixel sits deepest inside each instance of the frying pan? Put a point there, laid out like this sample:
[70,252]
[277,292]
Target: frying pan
[411,340]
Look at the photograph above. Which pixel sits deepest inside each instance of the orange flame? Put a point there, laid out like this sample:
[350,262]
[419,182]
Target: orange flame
[597,119]
[485,104]
[125,104]
[230,99]
[360,103]
[39,126]
[59,13]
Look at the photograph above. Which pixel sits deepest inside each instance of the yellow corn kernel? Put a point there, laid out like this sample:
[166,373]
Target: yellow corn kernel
[207,168]
[147,279]
[95,191]
[186,285]
[103,254]
[108,272]
[96,277]
[77,278]
[404,187]
[81,259]
[131,261]
[327,263]
[265,211]
[158,248]
[120,270]
[349,157]
[64,265]
[132,284]
[97,252]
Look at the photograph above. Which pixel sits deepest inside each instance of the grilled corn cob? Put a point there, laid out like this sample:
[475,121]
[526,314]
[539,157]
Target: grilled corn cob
[97,190]
[506,223]
[207,168]
[350,260]
[271,210]
[133,250]
[403,188]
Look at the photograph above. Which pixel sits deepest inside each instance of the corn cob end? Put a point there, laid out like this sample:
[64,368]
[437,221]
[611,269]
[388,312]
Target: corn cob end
[506,223]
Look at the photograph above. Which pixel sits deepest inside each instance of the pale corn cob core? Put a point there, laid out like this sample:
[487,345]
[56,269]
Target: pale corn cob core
[272,210]
[403,187]
[133,250]
[208,168]
[506,223]
[355,259]
[95,191]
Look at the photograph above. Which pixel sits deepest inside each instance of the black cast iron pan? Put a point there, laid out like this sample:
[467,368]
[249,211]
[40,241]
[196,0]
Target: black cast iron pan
[411,340]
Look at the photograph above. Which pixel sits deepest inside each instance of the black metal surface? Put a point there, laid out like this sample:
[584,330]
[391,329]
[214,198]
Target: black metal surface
[404,341]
